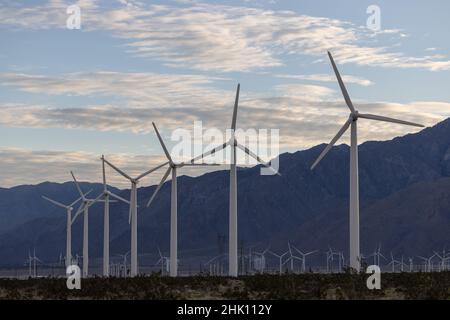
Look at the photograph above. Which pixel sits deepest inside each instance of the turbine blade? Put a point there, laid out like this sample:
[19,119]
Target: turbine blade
[160,254]
[103,171]
[96,200]
[332,142]
[212,151]
[386,119]
[348,101]
[118,197]
[75,202]
[59,204]
[80,209]
[236,102]
[152,170]
[117,169]
[77,185]
[253,155]
[159,186]
[162,143]
[131,205]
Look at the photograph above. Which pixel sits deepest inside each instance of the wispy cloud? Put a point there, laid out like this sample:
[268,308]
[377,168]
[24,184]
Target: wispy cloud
[222,37]
[140,89]
[302,122]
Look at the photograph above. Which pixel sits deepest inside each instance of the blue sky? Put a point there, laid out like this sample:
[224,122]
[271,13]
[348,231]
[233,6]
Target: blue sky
[67,96]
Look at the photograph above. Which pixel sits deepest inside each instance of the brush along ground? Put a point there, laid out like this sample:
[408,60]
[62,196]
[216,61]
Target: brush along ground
[291,287]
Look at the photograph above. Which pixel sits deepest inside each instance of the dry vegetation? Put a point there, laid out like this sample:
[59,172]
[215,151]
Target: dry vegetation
[307,286]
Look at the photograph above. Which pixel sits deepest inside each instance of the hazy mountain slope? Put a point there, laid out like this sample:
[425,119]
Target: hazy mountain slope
[24,203]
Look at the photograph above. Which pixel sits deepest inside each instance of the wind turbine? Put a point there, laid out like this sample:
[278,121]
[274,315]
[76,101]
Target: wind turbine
[32,260]
[132,217]
[292,257]
[280,257]
[394,262]
[427,263]
[106,195]
[377,255]
[354,184]
[442,258]
[262,259]
[124,262]
[330,257]
[85,209]
[233,143]
[165,262]
[69,209]
[212,268]
[173,202]
[303,258]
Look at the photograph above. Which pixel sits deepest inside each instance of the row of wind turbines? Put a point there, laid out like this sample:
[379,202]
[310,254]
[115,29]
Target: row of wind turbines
[106,195]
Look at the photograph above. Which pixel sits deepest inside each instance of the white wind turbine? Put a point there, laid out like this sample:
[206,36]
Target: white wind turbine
[215,268]
[394,263]
[377,255]
[69,209]
[124,262]
[106,195]
[354,186]
[173,202]
[303,257]
[442,258]
[86,203]
[280,259]
[132,217]
[165,262]
[261,264]
[32,260]
[233,143]
[426,263]
[292,257]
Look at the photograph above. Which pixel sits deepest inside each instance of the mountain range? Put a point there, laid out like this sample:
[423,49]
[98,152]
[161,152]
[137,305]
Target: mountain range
[404,198]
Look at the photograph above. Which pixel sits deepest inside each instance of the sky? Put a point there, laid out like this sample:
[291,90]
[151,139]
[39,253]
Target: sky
[67,96]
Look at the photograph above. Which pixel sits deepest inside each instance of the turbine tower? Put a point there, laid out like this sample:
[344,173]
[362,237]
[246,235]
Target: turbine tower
[69,209]
[106,195]
[85,209]
[354,186]
[233,143]
[132,217]
[173,202]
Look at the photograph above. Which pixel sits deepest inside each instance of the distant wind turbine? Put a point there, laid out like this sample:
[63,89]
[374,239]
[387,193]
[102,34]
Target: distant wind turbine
[69,209]
[132,217]
[354,187]
[303,257]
